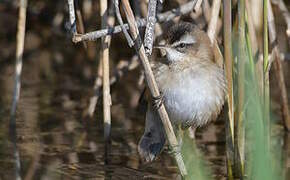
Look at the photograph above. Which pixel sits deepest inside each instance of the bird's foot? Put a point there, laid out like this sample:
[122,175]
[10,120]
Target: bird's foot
[157,101]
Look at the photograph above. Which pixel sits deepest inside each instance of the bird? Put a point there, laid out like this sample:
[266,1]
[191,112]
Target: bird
[192,85]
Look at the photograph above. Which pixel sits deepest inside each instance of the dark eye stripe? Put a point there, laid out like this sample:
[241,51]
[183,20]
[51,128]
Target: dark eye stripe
[182,45]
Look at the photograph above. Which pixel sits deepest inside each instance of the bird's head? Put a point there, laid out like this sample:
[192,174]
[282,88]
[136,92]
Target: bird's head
[185,41]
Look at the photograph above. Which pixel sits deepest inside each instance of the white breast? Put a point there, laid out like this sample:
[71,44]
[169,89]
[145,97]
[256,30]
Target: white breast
[192,96]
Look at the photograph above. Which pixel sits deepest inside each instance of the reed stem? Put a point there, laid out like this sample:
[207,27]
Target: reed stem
[240,125]
[17,84]
[266,89]
[106,74]
[153,87]
[227,21]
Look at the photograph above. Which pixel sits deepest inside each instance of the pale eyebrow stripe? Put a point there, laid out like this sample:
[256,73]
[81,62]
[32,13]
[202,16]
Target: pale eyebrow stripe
[187,39]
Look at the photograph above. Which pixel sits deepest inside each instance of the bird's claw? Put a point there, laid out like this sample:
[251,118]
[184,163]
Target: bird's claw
[157,101]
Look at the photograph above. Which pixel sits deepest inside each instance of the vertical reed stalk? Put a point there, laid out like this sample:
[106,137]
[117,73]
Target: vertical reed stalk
[266,89]
[152,85]
[227,21]
[240,125]
[17,84]
[106,74]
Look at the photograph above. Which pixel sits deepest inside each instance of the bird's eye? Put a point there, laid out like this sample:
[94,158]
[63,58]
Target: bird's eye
[182,45]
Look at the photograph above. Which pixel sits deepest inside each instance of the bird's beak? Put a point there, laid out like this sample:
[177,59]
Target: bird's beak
[161,47]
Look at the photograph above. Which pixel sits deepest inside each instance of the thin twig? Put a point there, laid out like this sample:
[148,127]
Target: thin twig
[120,20]
[149,32]
[17,84]
[166,16]
[153,87]
[278,68]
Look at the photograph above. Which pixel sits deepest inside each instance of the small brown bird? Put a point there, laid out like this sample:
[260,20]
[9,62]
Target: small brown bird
[193,87]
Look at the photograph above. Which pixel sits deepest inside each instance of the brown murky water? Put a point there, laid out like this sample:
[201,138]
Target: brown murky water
[56,142]
[55,138]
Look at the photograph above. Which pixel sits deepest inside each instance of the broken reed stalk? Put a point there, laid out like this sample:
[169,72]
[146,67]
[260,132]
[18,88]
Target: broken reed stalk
[150,27]
[278,68]
[106,21]
[239,124]
[266,67]
[17,84]
[72,17]
[211,31]
[227,35]
[166,16]
[152,85]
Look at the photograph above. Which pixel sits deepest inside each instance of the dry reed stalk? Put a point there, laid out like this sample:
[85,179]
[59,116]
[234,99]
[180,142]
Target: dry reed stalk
[17,84]
[197,5]
[278,68]
[227,35]
[80,27]
[206,10]
[120,20]
[251,27]
[150,27]
[152,85]
[240,125]
[72,17]
[162,17]
[211,31]
[107,102]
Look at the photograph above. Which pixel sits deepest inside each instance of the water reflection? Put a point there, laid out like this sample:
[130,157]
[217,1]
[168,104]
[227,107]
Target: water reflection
[56,142]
